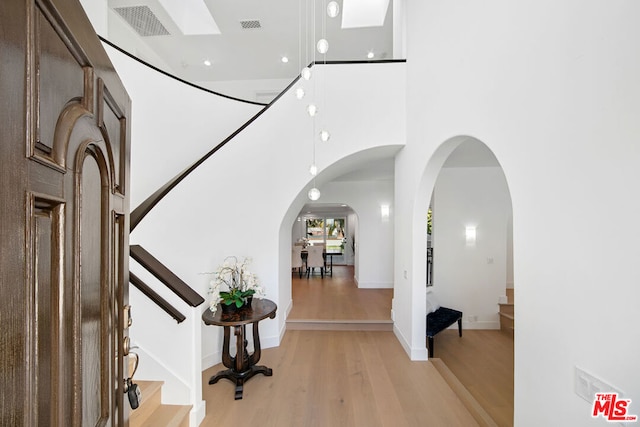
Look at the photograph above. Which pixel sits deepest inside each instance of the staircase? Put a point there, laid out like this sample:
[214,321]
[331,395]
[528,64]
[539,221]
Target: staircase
[507,314]
[152,412]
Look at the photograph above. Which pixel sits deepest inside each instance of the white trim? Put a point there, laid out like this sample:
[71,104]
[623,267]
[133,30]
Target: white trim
[414,354]
[375,285]
[197,414]
[482,324]
[211,360]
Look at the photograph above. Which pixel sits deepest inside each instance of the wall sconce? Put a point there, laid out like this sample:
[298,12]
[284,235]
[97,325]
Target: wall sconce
[384,212]
[470,233]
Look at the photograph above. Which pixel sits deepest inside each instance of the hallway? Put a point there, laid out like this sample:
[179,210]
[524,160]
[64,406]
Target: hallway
[482,360]
[337,297]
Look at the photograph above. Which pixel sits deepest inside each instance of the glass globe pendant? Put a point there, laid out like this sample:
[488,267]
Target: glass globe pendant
[312,110]
[299,93]
[306,73]
[333,9]
[314,194]
[313,170]
[325,135]
[322,46]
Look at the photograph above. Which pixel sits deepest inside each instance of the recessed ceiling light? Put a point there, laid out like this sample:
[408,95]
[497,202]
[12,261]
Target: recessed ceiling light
[370,55]
[284,59]
[207,63]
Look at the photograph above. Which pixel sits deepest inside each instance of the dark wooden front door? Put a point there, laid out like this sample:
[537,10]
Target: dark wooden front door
[64,220]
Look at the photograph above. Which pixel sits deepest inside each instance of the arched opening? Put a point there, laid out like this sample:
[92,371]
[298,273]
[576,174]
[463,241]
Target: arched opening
[363,182]
[472,261]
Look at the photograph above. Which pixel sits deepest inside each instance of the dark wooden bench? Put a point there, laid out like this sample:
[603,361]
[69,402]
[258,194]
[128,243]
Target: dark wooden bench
[439,320]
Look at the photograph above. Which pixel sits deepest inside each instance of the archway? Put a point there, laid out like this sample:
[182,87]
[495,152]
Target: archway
[346,181]
[473,268]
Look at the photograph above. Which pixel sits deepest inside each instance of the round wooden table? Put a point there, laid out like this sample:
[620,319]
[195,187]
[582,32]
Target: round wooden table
[242,366]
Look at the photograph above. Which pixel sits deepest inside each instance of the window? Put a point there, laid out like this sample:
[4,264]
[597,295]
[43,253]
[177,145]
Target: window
[330,231]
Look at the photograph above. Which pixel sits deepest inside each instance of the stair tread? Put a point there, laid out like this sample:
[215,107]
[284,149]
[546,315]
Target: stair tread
[508,316]
[151,392]
[148,388]
[166,415]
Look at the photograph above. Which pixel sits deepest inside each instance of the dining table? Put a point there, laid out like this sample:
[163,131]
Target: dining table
[328,267]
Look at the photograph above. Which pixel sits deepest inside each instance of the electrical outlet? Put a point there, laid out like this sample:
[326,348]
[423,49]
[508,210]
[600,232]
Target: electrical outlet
[586,385]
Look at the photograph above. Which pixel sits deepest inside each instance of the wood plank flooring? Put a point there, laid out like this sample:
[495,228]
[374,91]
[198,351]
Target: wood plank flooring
[482,360]
[338,298]
[363,378]
[337,378]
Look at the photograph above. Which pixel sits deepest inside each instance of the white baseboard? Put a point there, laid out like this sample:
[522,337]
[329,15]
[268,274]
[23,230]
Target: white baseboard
[270,342]
[413,353]
[483,324]
[375,285]
[197,414]
[211,360]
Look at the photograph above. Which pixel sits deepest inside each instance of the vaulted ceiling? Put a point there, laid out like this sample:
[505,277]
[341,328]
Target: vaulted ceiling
[244,41]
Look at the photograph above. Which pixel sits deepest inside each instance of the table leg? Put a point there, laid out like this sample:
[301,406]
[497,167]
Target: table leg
[331,269]
[242,366]
[227,360]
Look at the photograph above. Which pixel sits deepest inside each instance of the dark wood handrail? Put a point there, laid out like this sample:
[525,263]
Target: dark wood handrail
[153,296]
[145,207]
[165,275]
[186,82]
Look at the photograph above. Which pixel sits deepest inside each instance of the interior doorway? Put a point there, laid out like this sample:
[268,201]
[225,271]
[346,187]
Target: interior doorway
[471,244]
[336,297]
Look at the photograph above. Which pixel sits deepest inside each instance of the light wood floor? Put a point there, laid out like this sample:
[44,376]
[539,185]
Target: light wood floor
[337,298]
[337,378]
[482,360]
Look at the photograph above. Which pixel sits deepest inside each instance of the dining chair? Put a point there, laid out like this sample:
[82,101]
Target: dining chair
[296,259]
[315,259]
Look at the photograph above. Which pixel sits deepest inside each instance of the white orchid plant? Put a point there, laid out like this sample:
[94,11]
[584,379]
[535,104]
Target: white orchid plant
[233,283]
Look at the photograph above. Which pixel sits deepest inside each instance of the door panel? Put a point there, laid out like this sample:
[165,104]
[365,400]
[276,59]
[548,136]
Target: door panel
[95,295]
[64,218]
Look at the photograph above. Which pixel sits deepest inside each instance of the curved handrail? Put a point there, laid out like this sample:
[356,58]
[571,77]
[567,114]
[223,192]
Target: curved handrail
[145,207]
[161,71]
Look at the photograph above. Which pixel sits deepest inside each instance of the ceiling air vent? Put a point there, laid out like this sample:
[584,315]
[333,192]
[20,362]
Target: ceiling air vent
[249,24]
[142,19]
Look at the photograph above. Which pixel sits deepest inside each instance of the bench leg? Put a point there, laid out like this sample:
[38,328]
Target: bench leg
[430,339]
[459,327]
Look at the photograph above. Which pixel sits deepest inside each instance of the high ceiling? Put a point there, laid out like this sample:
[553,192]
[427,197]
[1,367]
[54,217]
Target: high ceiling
[247,39]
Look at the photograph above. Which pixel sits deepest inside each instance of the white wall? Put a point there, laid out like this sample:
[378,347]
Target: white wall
[252,90]
[172,124]
[97,11]
[213,214]
[471,277]
[552,88]
[375,236]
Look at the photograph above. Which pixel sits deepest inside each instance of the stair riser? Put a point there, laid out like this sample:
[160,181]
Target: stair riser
[329,326]
[507,309]
[507,325]
[510,295]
